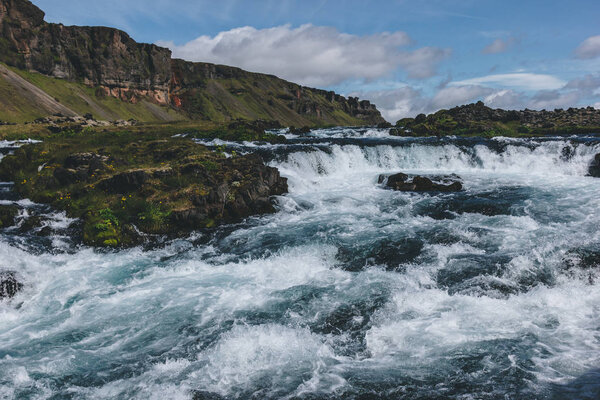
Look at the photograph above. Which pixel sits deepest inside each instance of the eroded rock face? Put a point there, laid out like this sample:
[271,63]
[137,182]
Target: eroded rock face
[402,182]
[594,169]
[246,193]
[9,286]
[98,56]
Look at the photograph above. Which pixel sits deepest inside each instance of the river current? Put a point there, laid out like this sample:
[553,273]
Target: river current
[349,291]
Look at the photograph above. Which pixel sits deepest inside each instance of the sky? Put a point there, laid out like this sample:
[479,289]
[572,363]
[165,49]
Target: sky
[406,56]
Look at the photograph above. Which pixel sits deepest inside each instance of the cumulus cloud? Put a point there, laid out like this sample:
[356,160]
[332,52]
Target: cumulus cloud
[589,48]
[519,80]
[454,95]
[551,99]
[408,102]
[313,55]
[398,103]
[498,46]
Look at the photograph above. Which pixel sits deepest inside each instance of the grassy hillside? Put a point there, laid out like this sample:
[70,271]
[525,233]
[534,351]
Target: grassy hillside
[221,93]
[19,104]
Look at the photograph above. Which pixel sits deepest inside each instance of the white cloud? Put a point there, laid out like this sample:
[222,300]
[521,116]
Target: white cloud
[397,103]
[589,48]
[313,55]
[455,95]
[552,99]
[498,46]
[520,80]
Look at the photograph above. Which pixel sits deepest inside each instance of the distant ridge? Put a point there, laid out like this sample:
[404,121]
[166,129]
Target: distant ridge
[478,119]
[92,65]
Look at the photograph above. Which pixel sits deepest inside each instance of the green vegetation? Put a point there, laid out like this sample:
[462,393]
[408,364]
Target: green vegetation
[16,105]
[479,120]
[120,182]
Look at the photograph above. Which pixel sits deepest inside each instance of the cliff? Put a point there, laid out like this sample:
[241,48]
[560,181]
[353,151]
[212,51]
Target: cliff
[478,119]
[116,66]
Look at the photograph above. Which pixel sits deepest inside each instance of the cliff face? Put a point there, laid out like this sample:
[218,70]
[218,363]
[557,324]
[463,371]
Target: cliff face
[117,66]
[97,56]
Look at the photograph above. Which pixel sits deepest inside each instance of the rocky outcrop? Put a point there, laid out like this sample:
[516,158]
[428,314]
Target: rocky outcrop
[594,169]
[478,119]
[104,57]
[116,65]
[246,193]
[9,285]
[141,184]
[403,183]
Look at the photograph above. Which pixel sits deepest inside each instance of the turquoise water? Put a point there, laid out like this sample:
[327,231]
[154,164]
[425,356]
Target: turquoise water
[348,291]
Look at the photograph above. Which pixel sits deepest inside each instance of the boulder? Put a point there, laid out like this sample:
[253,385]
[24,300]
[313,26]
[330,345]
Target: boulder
[7,216]
[9,285]
[594,169]
[402,183]
[125,182]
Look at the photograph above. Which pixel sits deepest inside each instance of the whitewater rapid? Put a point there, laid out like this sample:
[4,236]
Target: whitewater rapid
[348,291]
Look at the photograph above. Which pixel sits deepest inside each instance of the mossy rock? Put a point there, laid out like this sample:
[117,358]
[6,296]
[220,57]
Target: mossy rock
[8,215]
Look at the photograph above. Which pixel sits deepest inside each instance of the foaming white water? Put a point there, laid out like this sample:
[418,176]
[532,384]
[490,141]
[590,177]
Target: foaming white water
[543,160]
[326,298]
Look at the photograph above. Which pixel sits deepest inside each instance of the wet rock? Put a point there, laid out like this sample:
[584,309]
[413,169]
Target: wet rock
[594,169]
[203,395]
[384,125]
[7,216]
[9,285]
[402,183]
[299,131]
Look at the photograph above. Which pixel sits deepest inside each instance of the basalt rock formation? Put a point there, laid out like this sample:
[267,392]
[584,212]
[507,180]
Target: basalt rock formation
[594,169]
[115,65]
[478,119]
[403,183]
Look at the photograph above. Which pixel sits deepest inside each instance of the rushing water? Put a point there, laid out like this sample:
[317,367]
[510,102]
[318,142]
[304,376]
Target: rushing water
[348,291]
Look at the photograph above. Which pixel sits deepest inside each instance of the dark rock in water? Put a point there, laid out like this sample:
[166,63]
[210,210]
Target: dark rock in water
[7,216]
[299,131]
[594,169]
[203,395]
[384,125]
[9,286]
[419,183]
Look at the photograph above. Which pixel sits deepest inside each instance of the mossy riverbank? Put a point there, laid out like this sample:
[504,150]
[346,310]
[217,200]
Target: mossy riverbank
[127,184]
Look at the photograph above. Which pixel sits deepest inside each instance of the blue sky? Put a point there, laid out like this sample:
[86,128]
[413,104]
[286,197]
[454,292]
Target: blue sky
[406,56]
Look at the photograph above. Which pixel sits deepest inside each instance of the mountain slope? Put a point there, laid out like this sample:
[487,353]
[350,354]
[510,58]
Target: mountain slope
[95,65]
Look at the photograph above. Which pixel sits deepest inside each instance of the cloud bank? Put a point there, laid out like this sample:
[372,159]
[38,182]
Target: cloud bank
[589,48]
[313,55]
[408,102]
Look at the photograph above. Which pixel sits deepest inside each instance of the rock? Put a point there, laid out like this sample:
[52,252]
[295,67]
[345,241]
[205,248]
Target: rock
[299,131]
[594,169]
[79,160]
[125,182]
[384,125]
[7,216]
[401,182]
[203,395]
[9,286]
